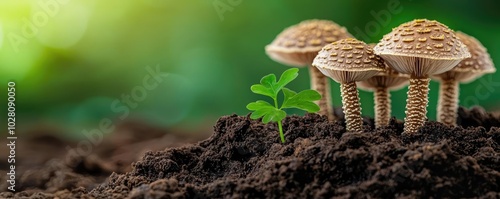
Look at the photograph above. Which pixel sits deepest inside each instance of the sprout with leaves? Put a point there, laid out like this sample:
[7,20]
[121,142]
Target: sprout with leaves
[268,86]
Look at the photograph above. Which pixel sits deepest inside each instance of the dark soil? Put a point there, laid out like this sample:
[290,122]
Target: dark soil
[244,159]
[45,169]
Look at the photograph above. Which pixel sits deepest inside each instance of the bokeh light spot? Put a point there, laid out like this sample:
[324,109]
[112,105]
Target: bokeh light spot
[66,27]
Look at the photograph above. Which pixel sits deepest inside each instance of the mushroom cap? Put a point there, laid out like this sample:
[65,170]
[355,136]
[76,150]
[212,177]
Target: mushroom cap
[390,78]
[471,68]
[348,60]
[421,48]
[299,44]
[383,81]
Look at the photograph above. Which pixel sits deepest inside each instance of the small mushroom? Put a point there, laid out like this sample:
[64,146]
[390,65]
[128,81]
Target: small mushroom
[381,84]
[299,44]
[466,71]
[420,48]
[347,61]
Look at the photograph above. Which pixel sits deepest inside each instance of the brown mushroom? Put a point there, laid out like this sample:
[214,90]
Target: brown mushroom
[466,71]
[381,84]
[420,48]
[299,44]
[347,61]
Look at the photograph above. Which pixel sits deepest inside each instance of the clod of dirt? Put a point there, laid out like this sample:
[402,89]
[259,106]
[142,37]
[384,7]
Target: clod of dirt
[477,116]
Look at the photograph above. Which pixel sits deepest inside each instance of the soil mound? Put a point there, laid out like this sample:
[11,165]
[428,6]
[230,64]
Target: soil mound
[245,159]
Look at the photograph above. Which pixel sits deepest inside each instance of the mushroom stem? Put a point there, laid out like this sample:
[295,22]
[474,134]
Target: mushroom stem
[351,106]
[416,104]
[321,83]
[448,102]
[382,106]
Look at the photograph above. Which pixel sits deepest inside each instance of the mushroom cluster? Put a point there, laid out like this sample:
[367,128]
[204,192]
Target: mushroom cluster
[411,54]
[420,48]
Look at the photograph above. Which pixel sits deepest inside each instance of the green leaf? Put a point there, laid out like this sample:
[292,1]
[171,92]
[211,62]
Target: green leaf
[303,100]
[265,110]
[275,116]
[308,95]
[268,81]
[268,85]
[287,93]
[262,90]
[259,105]
[261,112]
[310,107]
[287,76]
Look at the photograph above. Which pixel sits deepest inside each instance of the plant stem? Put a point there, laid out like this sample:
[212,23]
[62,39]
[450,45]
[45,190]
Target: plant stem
[352,107]
[282,136]
[321,83]
[416,104]
[448,102]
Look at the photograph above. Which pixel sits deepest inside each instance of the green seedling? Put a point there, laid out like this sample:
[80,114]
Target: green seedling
[268,86]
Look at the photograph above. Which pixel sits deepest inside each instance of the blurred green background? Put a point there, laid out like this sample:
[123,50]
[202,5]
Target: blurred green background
[72,59]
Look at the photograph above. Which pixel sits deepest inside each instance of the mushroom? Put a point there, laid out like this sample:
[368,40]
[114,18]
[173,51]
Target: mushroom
[466,71]
[420,48]
[381,84]
[299,44]
[347,61]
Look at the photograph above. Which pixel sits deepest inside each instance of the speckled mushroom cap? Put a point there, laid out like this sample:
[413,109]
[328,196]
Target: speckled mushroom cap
[422,47]
[390,78]
[348,60]
[470,68]
[299,44]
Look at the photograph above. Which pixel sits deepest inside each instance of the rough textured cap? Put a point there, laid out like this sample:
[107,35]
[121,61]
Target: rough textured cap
[390,79]
[480,60]
[348,60]
[471,68]
[422,47]
[298,45]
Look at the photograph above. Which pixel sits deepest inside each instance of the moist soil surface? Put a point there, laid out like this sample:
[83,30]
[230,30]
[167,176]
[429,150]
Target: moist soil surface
[245,159]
